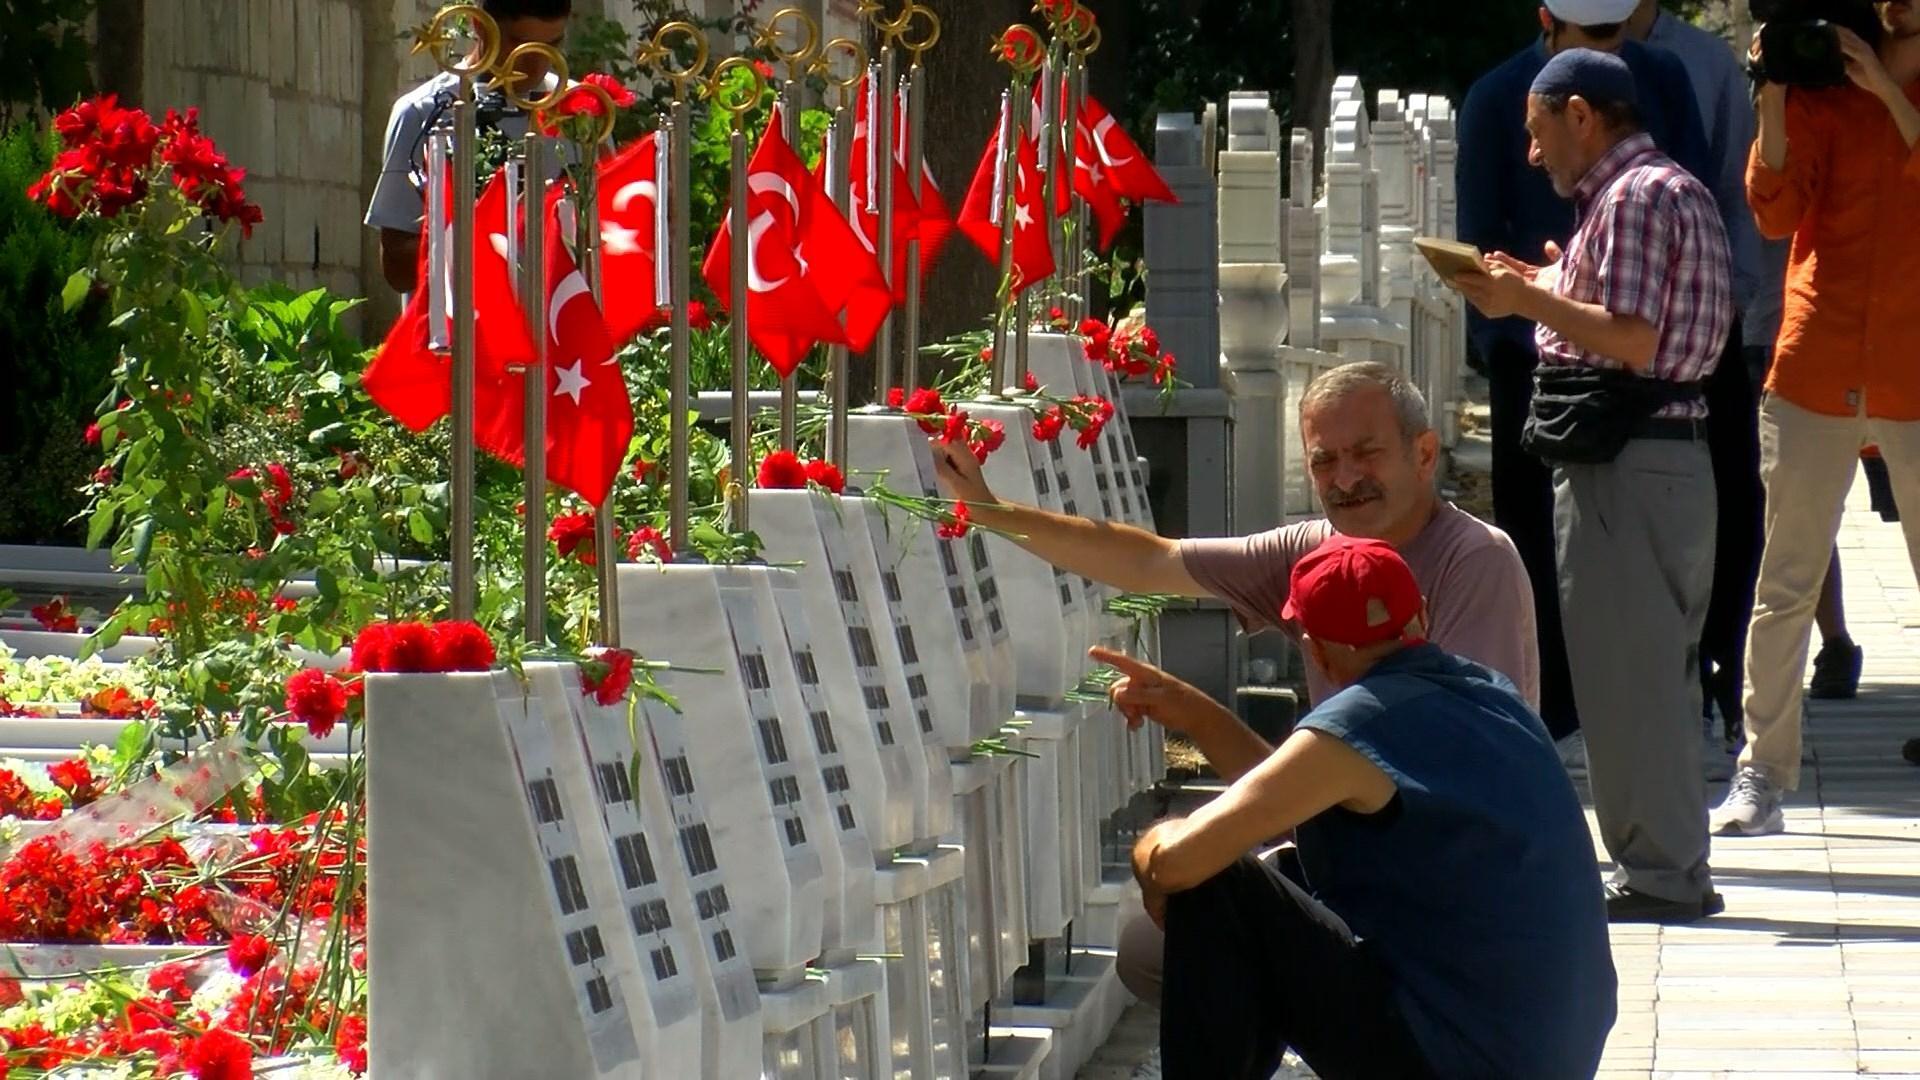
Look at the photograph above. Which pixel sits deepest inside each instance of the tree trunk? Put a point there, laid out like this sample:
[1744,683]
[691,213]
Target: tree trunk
[1313,71]
[962,86]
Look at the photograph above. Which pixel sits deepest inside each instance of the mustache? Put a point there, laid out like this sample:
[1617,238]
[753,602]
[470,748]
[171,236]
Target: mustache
[1363,491]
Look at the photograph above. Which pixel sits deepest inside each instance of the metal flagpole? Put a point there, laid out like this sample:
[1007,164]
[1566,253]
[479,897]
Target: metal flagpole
[839,161]
[1083,38]
[1019,47]
[1003,217]
[533,300]
[674,136]
[739,214]
[880,182]
[913,139]
[797,61]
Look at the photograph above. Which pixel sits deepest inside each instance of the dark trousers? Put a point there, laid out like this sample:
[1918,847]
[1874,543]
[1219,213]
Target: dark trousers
[1255,965]
[1733,438]
[1523,508]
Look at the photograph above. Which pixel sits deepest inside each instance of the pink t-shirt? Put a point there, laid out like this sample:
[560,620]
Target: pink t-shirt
[1479,602]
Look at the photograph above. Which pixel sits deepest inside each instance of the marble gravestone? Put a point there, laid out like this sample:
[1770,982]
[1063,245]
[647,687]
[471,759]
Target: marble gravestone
[706,617]
[803,529]
[624,848]
[892,447]
[472,872]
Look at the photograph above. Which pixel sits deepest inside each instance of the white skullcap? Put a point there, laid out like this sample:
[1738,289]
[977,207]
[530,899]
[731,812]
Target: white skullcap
[1592,12]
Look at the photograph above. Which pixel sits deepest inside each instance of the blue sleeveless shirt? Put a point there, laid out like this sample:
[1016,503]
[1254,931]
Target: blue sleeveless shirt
[1477,886]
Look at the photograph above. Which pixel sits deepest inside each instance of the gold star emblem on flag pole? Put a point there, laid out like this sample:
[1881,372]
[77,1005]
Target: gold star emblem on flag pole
[429,37]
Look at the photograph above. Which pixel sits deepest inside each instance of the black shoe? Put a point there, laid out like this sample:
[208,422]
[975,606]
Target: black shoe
[1911,751]
[1836,671]
[1626,905]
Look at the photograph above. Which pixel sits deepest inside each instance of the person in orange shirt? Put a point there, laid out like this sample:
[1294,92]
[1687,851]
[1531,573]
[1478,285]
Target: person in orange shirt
[1837,170]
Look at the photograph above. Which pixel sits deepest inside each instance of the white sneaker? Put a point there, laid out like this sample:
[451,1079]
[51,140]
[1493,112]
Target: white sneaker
[1752,807]
[1573,754]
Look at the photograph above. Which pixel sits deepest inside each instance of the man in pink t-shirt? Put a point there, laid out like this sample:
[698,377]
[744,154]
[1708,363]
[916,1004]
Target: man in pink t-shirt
[1372,455]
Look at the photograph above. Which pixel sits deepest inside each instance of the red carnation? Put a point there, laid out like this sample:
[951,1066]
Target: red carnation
[75,777]
[648,540]
[461,646]
[220,1055]
[1031,383]
[642,468]
[54,615]
[955,429]
[350,1043]
[622,97]
[926,404]
[92,434]
[781,469]
[171,980]
[1047,427]
[317,700]
[409,648]
[370,647]
[993,435]
[896,398]
[822,472]
[573,533]
[608,675]
[249,953]
[960,520]
[698,317]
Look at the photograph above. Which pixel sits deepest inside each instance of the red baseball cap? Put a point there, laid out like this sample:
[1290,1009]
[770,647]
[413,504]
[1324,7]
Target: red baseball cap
[1353,592]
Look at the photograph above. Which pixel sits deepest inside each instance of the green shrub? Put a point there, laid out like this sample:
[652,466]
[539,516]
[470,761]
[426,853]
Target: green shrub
[54,366]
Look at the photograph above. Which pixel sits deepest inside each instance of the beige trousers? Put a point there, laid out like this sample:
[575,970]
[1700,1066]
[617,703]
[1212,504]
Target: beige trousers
[1808,462]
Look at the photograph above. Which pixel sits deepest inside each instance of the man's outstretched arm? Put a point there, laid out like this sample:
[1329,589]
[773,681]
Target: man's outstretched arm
[1125,557]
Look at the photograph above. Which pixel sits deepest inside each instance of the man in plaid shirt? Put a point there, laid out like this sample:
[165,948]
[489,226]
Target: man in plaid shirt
[1633,316]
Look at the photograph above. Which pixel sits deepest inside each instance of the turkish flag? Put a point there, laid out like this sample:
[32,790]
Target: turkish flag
[786,314]
[865,217]
[406,378]
[414,383]
[1059,181]
[1095,187]
[851,284]
[628,193]
[1032,253]
[935,223]
[589,416]
[1132,175]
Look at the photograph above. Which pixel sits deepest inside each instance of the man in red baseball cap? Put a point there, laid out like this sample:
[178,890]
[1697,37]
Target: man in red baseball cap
[1439,917]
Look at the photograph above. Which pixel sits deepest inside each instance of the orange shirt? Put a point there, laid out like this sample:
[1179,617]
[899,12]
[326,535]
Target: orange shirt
[1850,199]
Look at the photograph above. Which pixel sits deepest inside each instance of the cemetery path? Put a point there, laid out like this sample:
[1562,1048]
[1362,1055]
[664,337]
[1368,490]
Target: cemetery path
[1813,972]
[1814,969]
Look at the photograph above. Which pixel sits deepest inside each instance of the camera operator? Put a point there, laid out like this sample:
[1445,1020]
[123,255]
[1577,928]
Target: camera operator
[399,196]
[1836,169]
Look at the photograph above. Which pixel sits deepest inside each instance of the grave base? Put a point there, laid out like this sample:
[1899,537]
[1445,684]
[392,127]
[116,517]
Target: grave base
[853,1041]
[1081,1010]
[1015,1053]
[793,1021]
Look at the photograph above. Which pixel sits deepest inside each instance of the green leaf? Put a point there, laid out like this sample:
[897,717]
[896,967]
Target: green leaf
[101,523]
[76,289]
[195,311]
[419,527]
[216,507]
[325,501]
[327,584]
[142,539]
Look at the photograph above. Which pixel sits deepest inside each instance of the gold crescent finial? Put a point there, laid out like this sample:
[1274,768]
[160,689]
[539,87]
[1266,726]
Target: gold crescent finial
[657,55]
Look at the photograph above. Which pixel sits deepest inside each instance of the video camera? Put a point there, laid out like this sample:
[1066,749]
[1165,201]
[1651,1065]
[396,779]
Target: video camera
[1800,39]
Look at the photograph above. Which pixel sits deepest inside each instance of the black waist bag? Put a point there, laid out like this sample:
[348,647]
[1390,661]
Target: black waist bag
[1585,415]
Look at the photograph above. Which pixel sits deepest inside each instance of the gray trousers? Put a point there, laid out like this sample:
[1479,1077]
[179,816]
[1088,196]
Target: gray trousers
[1635,540]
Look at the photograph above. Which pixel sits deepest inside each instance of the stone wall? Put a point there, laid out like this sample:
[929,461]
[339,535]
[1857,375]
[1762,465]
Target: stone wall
[298,92]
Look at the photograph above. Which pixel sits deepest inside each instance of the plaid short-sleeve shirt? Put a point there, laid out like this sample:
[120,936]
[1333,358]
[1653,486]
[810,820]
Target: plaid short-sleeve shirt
[1648,242]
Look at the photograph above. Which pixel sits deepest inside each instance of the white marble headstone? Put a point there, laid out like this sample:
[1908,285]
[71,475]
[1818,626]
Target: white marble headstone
[706,617]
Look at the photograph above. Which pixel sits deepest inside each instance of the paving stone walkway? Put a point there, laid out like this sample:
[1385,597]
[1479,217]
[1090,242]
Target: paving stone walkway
[1813,972]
